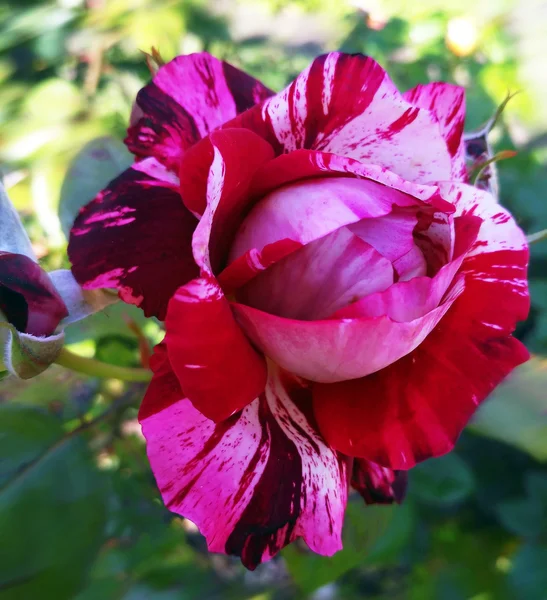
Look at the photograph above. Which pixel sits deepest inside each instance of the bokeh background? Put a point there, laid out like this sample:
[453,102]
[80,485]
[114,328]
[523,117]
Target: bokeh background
[80,516]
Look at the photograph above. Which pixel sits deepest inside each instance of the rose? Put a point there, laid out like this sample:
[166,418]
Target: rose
[337,299]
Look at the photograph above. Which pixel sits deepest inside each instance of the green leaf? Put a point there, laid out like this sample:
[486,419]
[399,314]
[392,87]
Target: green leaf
[372,534]
[443,481]
[516,412]
[98,162]
[52,506]
[529,573]
[527,516]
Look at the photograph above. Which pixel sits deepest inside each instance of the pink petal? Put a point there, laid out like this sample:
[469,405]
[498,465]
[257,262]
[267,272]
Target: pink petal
[391,235]
[377,484]
[347,105]
[447,103]
[410,265]
[218,369]
[28,298]
[417,407]
[253,483]
[135,236]
[311,209]
[188,98]
[408,300]
[318,279]
[337,349]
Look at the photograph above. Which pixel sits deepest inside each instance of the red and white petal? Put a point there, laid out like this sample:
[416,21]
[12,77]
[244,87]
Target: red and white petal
[347,105]
[308,164]
[319,278]
[377,484]
[28,298]
[417,407]
[338,349]
[447,103]
[237,154]
[135,236]
[428,396]
[188,98]
[253,483]
[218,369]
[497,262]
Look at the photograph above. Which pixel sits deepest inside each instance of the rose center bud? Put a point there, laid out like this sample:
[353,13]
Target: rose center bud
[356,239]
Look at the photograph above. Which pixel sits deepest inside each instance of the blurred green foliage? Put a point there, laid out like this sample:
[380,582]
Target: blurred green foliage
[80,516]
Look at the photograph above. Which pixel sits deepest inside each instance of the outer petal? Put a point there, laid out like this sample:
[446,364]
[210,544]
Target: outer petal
[218,369]
[28,298]
[347,105]
[253,483]
[216,365]
[447,103]
[337,349]
[377,484]
[188,98]
[417,407]
[136,237]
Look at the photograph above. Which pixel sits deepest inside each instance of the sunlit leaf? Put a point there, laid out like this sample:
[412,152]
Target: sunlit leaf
[52,507]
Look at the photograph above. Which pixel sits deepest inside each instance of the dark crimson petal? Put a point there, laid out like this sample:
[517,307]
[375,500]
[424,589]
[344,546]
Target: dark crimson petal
[28,298]
[447,103]
[347,105]
[252,483]
[377,484]
[218,369]
[136,236]
[416,408]
[188,98]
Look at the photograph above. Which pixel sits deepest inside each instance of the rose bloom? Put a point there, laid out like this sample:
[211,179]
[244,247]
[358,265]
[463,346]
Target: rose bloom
[337,298]
[28,298]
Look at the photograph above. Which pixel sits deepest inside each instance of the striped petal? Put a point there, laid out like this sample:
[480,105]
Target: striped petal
[446,103]
[188,98]
[136,236]
[347,105]
[252,483]
[428,396]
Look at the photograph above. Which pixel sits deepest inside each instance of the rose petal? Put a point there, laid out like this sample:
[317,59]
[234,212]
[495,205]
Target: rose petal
[188,98]
[409,300]
[238,154]
[136,237]
[417,407]
[391,234]
[447,103]
[252,483]
[337,349]
[347,105]
[28,299]
[218,369]
[377,484]
[320,278]
[309,210]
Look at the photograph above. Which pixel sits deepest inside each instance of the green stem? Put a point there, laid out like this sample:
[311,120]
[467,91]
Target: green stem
[96,368]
